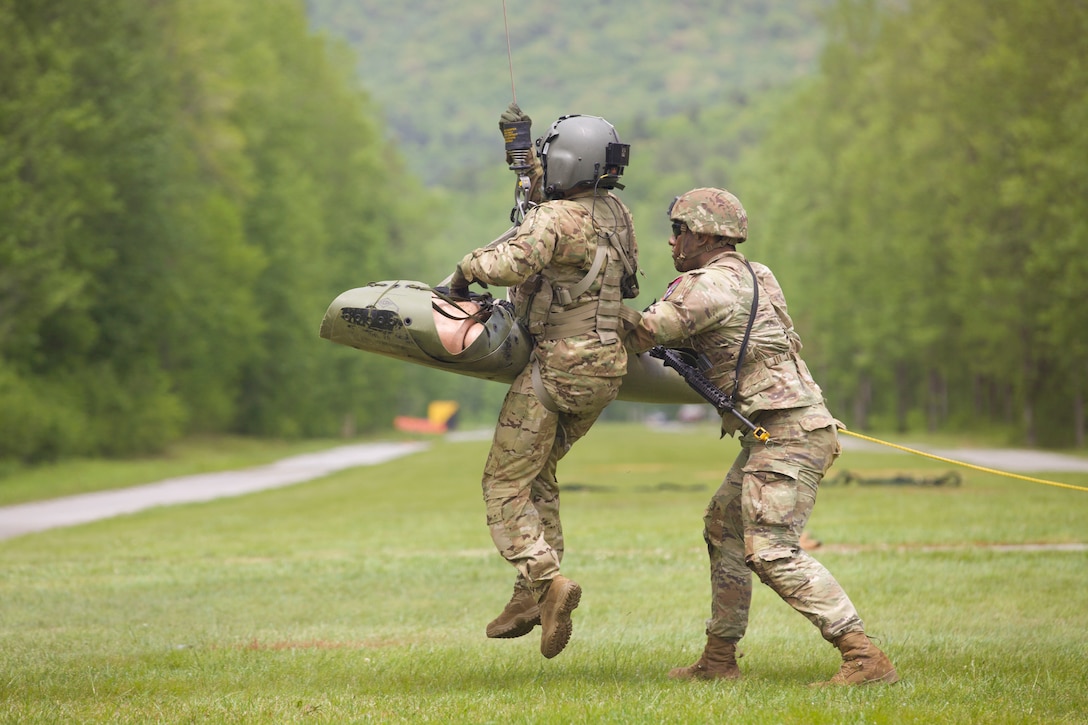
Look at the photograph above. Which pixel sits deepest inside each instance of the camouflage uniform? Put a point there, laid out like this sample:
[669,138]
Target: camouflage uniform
[755,519]
[581,373]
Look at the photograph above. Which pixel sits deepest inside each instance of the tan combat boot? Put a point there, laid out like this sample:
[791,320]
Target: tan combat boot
[718,662]
[559,600]
[518,618]
[862,663]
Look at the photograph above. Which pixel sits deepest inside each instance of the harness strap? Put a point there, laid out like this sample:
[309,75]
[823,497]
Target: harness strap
[569,323]
[542,394]
[565,296]
[773,360]
[769,357]
[629,317]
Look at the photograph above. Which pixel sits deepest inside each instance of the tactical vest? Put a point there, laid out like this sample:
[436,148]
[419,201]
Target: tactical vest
[557,311]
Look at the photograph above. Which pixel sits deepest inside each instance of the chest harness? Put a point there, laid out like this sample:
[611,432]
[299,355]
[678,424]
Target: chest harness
[554,312]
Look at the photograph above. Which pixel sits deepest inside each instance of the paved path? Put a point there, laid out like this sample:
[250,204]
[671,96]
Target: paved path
[71,510]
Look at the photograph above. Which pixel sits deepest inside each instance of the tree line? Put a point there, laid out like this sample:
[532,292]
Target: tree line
[926,199]
[922,195]
[184,186]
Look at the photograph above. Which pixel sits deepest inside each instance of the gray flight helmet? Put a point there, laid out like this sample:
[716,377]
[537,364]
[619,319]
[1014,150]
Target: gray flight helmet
[581,151]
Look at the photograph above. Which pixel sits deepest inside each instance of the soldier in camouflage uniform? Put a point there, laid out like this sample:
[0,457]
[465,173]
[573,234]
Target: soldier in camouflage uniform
[755,519]
[571,262]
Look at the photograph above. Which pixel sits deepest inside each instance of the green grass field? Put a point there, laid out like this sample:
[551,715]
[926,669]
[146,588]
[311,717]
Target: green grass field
[362,597]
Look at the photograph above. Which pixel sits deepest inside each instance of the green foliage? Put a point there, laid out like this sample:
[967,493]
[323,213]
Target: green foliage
[39,419]
[920,191]
[441,74]
[674,78]
[184,186]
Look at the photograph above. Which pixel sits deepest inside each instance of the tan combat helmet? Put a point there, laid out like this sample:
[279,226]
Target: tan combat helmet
[711,211]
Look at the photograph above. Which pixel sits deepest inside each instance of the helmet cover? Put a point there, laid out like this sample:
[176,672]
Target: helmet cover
[711,211]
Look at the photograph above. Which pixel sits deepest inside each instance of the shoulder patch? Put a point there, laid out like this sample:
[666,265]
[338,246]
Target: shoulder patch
[682,284]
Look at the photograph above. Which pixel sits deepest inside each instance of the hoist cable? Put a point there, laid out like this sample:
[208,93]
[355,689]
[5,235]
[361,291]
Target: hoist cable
[509,53]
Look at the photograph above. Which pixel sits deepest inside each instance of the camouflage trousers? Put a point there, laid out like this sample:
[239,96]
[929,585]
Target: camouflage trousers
[519,485]
[754,523]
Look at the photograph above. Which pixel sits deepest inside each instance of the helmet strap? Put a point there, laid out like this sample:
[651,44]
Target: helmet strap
[702,243]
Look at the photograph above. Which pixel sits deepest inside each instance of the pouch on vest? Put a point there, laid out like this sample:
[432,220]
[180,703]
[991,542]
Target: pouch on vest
[538,304]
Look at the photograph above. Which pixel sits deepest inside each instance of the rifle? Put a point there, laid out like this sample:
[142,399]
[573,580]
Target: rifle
[708,390]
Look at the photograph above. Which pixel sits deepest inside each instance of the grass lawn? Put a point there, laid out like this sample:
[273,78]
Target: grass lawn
[362,597]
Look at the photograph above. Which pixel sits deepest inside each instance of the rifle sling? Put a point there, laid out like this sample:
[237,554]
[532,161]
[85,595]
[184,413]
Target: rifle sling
[747,331]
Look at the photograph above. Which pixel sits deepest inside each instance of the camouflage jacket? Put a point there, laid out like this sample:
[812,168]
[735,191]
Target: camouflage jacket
[707,310]
[553,249]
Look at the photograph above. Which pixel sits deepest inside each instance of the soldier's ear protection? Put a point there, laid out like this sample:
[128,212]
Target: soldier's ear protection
[616,156]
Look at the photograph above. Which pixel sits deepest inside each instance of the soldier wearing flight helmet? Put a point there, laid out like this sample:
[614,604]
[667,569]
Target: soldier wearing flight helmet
[571,261]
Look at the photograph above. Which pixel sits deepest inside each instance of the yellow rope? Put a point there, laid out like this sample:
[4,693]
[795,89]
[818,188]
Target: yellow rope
[961,463]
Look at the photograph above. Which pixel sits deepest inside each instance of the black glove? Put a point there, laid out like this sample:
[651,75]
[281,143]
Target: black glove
[458,285]
[513,114]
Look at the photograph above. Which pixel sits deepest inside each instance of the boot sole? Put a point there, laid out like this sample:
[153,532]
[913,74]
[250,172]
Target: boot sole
[888,678]
[685,673]
[552,643]
[517,628]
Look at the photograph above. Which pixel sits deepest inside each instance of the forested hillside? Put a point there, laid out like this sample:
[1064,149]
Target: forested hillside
[677,79]
[441,73]
[918,183]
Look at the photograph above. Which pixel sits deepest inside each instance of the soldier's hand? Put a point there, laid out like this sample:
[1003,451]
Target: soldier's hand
[513,114]
[458,285]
